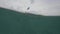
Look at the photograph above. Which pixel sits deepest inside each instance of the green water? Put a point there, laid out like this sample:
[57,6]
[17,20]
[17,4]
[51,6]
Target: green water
[12,22]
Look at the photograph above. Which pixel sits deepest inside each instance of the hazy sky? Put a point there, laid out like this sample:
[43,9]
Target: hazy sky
[39,7]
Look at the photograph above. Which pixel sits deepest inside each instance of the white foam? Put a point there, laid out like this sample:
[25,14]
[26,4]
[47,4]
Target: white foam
[38,7]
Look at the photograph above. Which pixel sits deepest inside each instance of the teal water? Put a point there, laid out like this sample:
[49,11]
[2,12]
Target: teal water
[12,22]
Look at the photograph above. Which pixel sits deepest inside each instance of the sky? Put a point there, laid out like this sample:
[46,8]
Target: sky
[37,7]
